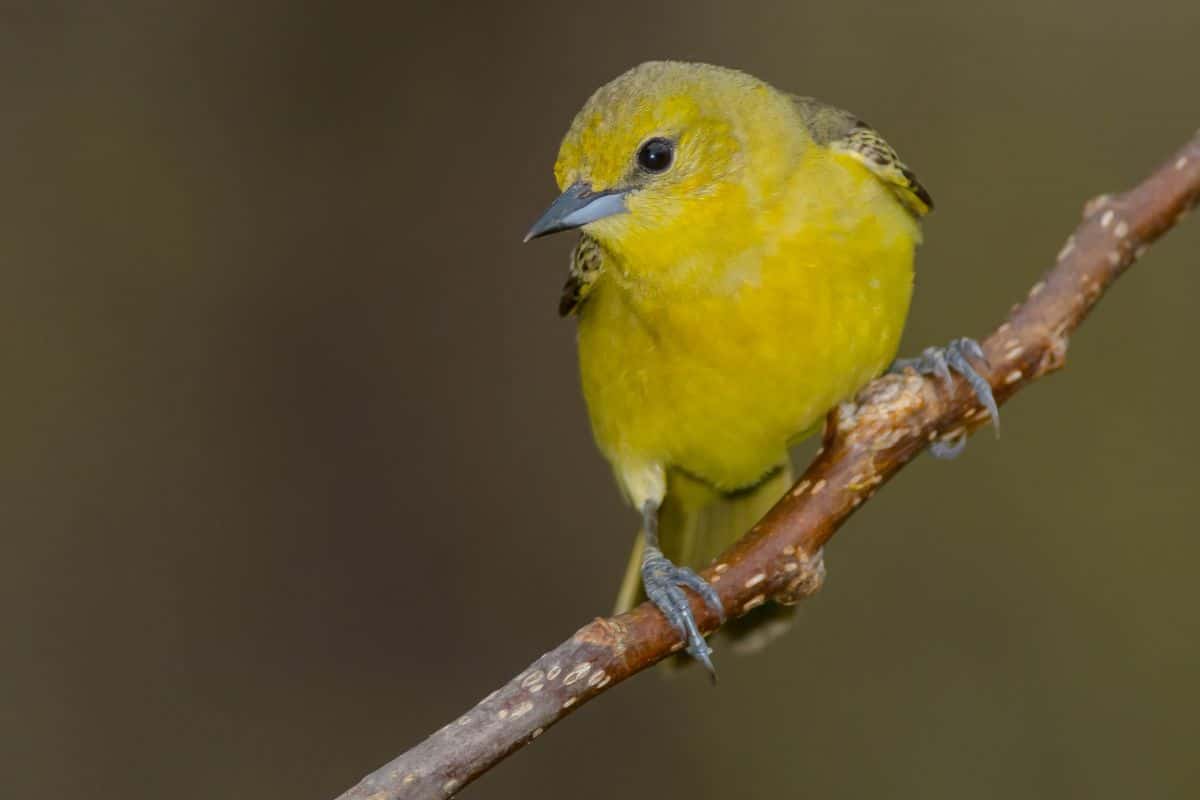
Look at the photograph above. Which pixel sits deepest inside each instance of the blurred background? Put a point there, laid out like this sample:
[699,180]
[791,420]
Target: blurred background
[294,466]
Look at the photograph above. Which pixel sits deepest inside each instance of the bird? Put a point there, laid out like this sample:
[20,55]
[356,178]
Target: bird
[745,262]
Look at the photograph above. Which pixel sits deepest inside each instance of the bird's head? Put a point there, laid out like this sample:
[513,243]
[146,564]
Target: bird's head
[670,152]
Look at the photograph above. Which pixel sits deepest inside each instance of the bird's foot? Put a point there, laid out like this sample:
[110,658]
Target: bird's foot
[664,583]
[941,362]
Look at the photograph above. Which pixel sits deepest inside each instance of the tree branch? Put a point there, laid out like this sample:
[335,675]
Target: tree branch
[866,443]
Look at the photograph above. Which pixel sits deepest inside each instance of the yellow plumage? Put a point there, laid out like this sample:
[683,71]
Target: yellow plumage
[738,295]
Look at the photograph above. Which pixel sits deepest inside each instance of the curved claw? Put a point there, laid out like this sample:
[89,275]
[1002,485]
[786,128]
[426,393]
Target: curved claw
[703,657]
[942,362]
[697,647]
[948,450]
[688,577]
[956,357]
[664,583]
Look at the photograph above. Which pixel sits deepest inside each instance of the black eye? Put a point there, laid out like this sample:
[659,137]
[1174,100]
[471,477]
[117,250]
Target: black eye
[656,155]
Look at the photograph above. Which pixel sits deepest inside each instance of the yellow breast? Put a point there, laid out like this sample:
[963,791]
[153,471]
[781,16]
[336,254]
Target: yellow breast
[713,358]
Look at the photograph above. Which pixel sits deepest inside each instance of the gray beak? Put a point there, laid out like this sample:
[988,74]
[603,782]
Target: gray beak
[576,207]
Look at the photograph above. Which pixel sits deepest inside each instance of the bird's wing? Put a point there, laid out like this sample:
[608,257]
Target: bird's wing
[844,133]
[587,261]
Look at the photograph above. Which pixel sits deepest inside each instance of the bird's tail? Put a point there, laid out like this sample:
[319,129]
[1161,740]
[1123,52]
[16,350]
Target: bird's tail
[696,523]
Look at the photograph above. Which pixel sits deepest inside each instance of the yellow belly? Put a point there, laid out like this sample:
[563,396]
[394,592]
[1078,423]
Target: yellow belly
[719,382]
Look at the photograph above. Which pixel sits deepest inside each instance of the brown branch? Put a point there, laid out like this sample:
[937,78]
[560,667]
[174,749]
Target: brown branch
[866,443]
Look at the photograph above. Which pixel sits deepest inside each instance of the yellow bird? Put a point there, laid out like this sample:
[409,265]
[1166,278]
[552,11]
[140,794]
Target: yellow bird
[746,262]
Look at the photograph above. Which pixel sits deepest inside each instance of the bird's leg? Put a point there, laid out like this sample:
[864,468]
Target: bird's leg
[663,582]
[941,361]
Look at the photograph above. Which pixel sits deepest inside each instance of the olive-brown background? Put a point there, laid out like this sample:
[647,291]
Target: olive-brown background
[293,463]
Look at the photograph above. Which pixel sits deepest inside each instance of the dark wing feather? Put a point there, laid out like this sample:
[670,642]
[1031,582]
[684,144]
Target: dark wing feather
[842,132]
[587,260]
